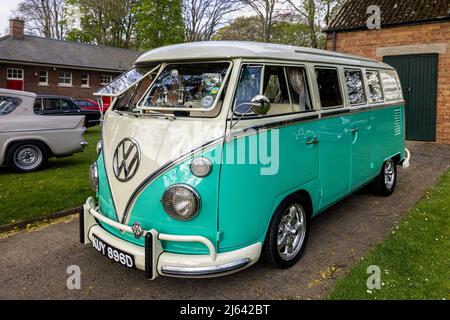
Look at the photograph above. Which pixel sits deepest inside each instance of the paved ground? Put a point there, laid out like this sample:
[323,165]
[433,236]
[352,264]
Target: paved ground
[33,264]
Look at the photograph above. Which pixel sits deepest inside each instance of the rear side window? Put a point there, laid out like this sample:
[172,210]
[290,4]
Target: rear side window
[355,86]
[391,85]
[51,104]
[375,90]
[329,89]
[8,104]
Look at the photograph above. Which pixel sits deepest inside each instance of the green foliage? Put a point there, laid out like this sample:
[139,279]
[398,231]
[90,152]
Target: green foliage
[63,185]
[250,29]
[158,23]
[414,260]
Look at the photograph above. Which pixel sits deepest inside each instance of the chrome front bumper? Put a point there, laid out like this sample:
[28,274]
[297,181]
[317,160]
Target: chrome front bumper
[155,261]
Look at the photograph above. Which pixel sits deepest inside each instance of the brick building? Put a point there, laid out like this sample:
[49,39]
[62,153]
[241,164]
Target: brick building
[48,66]
[414,38]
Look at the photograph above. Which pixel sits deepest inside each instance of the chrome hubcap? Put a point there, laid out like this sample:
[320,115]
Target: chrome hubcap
[389,173]
[291,232]
[28,157]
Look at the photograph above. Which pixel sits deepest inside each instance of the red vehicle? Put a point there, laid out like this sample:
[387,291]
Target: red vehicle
[89,104]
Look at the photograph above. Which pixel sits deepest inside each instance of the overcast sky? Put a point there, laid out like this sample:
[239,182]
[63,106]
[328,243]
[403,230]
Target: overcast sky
[6,6]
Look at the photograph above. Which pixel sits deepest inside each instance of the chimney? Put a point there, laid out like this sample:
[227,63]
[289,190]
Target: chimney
[16,27]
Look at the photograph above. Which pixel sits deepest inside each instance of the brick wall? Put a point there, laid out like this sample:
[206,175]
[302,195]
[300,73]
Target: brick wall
[31,81]
[365,43]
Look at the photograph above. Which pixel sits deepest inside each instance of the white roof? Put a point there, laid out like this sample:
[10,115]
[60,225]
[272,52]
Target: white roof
[217,50]
[17,93]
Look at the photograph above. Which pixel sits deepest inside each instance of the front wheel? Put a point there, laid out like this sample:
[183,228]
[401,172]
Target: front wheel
[384,184]
[288,233]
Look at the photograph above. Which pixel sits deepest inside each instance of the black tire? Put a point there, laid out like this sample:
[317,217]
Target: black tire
[271,251]
[19,157]
[384,184]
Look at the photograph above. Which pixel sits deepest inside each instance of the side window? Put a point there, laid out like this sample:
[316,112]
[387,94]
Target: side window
[65,105]
[392,88]
[298,85]
[329,89]
[355,86]
[375,90]
[51,105]
[37,105]
[8,104]
[276,89]
[249,86]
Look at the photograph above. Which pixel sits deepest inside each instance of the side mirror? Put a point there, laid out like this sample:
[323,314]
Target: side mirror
[260,104]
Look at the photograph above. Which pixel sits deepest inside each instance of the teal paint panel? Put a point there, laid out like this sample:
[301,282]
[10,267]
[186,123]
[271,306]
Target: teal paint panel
[248,194]
[361,131]
[149,212]
[335,163]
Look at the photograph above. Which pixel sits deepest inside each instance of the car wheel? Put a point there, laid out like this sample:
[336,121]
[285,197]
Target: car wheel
[384,184]
[27,157]
[288,233]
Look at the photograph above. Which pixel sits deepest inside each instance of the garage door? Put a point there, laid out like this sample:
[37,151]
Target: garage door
[418,74]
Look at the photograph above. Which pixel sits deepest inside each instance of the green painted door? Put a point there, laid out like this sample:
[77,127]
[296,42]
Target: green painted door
[418,74]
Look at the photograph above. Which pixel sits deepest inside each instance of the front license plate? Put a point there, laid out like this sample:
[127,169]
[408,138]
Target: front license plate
[112,253]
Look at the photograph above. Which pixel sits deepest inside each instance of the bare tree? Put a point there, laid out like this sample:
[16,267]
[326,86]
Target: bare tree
[202,18]
[307,9]
[47,18]
[265,11]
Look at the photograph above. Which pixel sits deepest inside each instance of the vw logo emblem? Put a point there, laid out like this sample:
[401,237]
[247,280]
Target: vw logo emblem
[126,159]
[137,230]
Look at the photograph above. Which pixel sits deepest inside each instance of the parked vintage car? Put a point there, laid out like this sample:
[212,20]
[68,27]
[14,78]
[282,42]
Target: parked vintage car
[89,104]
[62,105]
[28,139]
[214,153]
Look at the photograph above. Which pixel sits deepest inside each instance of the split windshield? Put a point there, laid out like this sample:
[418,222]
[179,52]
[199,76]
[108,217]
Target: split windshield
[186,89]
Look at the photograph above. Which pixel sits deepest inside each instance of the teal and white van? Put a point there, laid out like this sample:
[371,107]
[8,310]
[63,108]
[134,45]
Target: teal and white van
[215,153]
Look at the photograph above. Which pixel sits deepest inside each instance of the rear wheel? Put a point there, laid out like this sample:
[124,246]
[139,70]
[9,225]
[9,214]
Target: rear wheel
[384,184]
[288,233]
[27,156]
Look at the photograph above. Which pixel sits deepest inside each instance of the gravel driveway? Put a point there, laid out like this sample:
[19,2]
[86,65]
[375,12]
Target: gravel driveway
[33,264]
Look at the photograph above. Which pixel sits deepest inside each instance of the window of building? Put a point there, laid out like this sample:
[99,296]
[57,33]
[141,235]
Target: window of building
[14,74]
[65,79]
[85,80]
[105,79]
[43,78]
[375,90]
[329,89]
[355,86]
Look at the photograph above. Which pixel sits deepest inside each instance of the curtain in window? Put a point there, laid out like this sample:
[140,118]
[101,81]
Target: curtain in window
[297,80]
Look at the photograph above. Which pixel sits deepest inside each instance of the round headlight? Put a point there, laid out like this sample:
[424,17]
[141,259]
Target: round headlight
[181,202]
[201,167]
[99,146]
[93,176]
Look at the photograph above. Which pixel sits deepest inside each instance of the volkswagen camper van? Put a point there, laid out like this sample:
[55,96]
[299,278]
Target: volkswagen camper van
[214,154]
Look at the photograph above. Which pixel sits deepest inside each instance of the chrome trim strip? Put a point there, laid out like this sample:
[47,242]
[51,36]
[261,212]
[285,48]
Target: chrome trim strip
[203,271]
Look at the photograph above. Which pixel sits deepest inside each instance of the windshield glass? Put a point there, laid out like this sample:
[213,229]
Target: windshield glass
[186,86]
[181,89]
[125,81]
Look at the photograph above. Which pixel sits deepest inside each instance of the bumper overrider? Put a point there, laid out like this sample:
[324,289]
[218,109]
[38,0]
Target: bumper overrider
[154,260]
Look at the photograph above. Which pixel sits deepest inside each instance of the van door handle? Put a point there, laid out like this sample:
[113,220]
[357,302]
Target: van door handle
[312,141]
[355,130]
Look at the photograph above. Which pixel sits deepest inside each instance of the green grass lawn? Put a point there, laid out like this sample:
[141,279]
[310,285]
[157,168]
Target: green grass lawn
[64,184]
[414,259]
